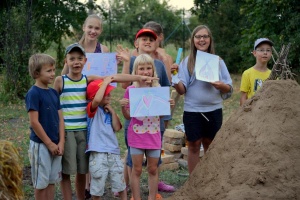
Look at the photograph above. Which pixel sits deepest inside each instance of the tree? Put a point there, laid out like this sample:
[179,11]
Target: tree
[224,20]
[16,50]
[237,24]
[35,25]
[128,16]
[276,19]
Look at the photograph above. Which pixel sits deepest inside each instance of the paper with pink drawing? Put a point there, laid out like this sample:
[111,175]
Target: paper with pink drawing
[152,101]
[207,67]
[101,64]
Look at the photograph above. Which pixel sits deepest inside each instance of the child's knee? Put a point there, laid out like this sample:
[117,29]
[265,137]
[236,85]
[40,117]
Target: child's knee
[152,170]
[137,171]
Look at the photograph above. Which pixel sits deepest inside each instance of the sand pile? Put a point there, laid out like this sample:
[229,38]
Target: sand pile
[256,154]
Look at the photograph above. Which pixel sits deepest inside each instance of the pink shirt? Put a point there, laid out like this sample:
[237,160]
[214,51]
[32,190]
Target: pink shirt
[143,132]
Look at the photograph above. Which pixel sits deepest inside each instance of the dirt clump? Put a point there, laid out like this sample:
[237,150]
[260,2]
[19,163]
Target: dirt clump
[255,155]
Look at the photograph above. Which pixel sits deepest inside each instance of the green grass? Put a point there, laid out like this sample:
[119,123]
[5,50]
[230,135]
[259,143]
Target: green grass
[14,127]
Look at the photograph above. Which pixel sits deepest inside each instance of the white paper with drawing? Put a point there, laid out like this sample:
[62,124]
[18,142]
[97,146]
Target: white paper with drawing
[101,64]
[207,67]
[152,101]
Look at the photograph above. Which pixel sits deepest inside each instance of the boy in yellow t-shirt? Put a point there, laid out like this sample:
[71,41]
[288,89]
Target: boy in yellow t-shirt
[253,77]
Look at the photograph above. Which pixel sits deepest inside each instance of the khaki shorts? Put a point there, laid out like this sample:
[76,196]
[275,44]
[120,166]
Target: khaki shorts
[101,165]
[45,168]
[75,160]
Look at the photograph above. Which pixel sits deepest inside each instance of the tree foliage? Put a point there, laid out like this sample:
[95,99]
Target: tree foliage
[30,26]
[278,20]
[128,16]
[237,24]
[224,20]
[15,51]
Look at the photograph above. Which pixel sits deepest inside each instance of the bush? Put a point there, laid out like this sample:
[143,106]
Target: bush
[17,48]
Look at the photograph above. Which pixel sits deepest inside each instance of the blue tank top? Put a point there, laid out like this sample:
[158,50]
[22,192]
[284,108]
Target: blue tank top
[98,48]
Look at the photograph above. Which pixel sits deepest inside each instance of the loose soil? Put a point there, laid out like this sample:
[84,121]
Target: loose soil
[255,155]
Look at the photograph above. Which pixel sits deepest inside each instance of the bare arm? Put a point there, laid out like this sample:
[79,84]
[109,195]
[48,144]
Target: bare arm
[40,132]
[58,84]
[65,69]
[125,70]
[104,49]
[131,78]
[224,88]
[116,124]
[91,78]
[180,88]
[243,98]
[123,54]
[166,59]
[100,93]
[124,102]
[61,143]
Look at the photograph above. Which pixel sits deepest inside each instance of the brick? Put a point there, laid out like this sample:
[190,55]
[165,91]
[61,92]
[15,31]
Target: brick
[185,157]
[167,159]
[172,147]
[182,163]
[184,151]
[169,166]
[172,133]
[176,155]
[174,140]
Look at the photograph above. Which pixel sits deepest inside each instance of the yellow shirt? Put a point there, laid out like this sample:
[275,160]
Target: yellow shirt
[252,80]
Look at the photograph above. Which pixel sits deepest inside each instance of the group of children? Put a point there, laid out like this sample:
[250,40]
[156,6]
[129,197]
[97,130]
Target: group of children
[73,125]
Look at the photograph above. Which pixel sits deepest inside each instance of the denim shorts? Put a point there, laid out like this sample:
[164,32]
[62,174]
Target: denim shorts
[202,125]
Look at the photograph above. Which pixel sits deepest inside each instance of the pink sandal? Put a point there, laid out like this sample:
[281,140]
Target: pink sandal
[165,188]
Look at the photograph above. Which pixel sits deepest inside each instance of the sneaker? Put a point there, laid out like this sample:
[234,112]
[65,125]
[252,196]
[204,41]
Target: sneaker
[158,197]
[165,188]
[87,194]
[116,194]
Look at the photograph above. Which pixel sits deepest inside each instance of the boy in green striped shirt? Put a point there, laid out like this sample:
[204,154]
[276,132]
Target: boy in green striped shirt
[72,89]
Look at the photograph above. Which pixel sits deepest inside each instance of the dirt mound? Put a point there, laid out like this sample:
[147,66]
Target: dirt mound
[256,154]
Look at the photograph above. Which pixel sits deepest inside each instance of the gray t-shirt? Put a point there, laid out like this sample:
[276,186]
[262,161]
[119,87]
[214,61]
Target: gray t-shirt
[101,137]
[201,96]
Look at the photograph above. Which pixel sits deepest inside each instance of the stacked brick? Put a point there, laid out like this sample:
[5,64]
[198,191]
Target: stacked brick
[173,141]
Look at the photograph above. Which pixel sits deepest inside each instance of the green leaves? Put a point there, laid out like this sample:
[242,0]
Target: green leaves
[237,24]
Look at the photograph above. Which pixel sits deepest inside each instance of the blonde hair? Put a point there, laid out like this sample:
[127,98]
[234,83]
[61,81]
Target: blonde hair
[193,49]
[37,61]
[144,59]
[93,16]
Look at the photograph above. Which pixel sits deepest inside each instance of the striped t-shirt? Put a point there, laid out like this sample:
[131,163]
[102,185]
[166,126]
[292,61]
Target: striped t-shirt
[73,103]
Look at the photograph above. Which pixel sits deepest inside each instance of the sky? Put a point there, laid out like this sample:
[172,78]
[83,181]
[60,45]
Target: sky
[179,4]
